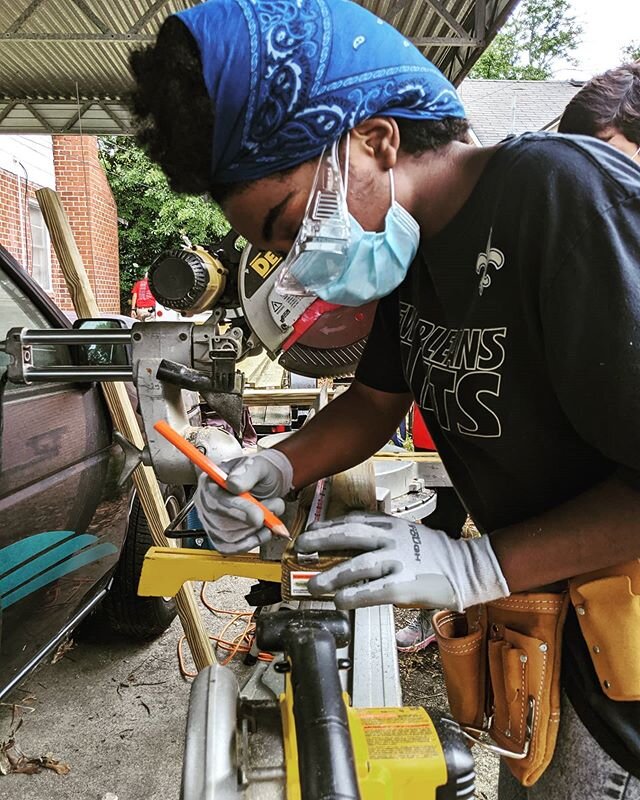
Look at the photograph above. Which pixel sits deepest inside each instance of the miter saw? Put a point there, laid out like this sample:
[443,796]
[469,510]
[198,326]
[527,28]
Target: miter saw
[308,336]
[236,284]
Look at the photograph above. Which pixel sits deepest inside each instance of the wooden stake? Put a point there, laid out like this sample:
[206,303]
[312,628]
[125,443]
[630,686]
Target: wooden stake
[124,418]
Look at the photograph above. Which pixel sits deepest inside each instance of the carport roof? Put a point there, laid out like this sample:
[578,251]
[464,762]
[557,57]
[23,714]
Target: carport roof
[63,63]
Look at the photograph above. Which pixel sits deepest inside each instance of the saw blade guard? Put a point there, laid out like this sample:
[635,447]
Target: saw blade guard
[307,335]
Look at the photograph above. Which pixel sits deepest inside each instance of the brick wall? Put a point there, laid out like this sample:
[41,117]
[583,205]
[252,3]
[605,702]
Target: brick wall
[15,234]
[87,199]
[89,203]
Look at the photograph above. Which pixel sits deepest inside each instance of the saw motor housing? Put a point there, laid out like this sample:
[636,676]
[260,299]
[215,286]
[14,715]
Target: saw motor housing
[308,740]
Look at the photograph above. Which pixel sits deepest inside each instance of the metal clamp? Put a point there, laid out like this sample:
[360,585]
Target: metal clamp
[473,734]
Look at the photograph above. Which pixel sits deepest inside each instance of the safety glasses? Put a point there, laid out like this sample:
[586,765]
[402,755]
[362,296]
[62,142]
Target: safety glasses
[319,253]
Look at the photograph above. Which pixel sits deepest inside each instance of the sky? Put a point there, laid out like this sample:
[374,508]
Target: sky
[608,25]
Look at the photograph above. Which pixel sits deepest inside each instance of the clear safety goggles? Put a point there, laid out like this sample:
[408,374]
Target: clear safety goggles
[319,253]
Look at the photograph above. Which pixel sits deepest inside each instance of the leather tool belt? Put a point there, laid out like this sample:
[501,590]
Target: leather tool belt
[607,604]
[501,664]
[501,661]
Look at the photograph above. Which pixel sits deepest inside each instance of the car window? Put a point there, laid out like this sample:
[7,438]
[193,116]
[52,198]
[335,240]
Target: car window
[18,311]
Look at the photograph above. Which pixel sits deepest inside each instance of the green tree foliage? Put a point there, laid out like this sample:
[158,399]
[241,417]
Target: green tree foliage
[151,217]
[631,52]
[538,34]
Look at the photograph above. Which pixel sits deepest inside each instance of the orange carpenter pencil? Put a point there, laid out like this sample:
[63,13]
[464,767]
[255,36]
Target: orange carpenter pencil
[275,525]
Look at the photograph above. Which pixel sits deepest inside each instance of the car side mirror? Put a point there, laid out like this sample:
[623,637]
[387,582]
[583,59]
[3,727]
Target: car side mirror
[95,355]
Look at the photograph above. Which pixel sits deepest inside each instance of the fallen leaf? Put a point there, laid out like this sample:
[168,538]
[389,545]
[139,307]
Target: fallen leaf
[13,759]
[64,648]
[59,767]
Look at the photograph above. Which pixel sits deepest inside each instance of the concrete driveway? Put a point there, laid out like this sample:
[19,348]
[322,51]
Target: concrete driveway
[114,711]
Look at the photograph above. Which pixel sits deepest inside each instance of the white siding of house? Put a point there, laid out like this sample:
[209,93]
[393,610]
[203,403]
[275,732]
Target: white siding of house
[34,152]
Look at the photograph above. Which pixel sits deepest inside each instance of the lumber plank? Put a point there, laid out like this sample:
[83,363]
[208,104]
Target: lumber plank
[283,397]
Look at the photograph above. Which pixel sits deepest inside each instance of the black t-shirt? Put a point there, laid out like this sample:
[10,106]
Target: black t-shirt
[517,330]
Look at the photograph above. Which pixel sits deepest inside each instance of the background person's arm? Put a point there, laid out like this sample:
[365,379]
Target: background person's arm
[349,430]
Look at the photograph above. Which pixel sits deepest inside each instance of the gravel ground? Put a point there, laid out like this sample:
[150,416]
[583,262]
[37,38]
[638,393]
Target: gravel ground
[114,711]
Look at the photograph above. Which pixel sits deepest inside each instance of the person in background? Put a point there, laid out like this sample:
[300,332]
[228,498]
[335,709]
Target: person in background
[143,303]
[608,108]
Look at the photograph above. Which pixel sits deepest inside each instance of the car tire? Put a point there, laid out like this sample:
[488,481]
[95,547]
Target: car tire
[140,618]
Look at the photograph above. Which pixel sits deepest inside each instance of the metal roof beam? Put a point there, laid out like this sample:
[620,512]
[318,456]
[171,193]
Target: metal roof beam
[451,21]
[396,7]
[148,14]
[8,109]
[110,113]
[445,41]
[418,41]
[91,16]
[32,36]
[85,107]
[480,14]
[29,10]
[37,115]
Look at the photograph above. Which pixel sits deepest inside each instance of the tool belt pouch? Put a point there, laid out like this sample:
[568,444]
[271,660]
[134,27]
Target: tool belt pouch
[462,644]
[524,646]
[607,604]
[502,661]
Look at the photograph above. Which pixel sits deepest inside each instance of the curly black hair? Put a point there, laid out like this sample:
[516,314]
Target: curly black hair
[610,100]
[171,108]
[174,117]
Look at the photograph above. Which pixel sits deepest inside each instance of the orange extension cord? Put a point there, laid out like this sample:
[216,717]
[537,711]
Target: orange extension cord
[239,644]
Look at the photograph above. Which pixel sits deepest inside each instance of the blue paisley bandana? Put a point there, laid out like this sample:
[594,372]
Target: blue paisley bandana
[287,77]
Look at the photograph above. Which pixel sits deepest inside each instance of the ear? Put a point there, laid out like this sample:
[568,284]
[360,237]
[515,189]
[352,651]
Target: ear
[379,138]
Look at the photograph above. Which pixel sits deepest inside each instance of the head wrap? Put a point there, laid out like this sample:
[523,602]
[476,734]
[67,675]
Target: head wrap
[288,77]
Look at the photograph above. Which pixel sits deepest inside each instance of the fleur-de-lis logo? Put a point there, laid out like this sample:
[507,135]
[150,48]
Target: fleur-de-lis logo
[491,258]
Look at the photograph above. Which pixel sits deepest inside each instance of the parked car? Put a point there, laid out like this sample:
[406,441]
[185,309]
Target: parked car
[70,536]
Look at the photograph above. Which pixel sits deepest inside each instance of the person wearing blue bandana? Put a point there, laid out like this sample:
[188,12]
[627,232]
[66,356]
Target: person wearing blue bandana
[508,281]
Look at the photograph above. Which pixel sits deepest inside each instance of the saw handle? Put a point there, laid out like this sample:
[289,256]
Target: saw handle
[309,640]
[275,525]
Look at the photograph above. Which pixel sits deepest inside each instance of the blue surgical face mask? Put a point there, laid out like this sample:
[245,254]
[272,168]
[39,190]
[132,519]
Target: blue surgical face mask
[358,266]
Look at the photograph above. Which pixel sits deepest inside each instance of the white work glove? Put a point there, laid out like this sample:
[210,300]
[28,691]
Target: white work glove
[233,524]
[403,563]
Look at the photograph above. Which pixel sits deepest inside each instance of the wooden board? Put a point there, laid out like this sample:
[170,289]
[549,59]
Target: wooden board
[283,397]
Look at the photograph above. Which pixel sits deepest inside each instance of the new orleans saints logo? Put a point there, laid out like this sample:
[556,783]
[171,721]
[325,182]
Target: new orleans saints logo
[491,258]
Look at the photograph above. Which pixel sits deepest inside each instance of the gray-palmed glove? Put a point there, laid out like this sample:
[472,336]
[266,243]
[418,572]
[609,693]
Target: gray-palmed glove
[403,563]
[233,524]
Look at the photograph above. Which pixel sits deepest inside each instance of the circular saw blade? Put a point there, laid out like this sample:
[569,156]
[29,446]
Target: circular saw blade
[332,346]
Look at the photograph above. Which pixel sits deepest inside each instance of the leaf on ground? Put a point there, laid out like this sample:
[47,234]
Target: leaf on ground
[62,650]
[14,760]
